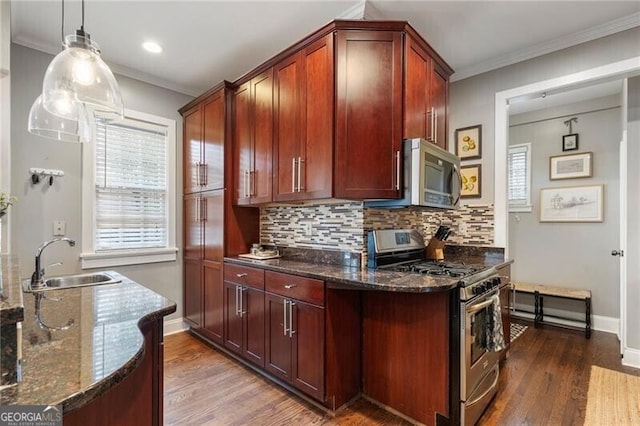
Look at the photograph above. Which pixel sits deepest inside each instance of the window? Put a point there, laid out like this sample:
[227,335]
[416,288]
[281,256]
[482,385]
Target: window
[128,194]
[519,177]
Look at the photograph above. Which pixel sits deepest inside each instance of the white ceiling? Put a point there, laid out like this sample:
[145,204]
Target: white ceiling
[206,42]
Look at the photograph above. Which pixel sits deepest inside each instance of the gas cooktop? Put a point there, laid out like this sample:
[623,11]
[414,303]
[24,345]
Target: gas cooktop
[435,268]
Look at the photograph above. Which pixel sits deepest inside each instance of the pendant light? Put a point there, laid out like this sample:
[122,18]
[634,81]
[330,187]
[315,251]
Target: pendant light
[45,124]
[77,87]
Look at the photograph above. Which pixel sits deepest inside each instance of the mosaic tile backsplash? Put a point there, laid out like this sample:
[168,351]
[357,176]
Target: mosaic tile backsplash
[343,226]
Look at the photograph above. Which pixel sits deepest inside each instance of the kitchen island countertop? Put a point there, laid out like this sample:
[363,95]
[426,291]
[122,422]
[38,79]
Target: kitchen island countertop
[357,278]
[104,345]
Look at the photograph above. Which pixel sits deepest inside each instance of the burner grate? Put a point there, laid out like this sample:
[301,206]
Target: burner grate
[443,269]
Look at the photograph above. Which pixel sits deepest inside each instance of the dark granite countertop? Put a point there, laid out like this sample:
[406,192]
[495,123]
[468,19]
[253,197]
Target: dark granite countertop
[11,310]
[103,346]
[356,278]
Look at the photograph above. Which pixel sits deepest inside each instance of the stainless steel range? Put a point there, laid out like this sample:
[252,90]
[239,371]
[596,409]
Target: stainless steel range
[480,338]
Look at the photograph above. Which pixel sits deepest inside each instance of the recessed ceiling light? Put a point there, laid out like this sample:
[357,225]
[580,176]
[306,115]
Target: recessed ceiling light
[152,46]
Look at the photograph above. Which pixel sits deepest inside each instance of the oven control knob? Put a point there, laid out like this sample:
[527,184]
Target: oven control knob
[478,289]
[496,282]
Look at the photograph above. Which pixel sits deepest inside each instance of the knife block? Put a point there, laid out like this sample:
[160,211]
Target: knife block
[435,249]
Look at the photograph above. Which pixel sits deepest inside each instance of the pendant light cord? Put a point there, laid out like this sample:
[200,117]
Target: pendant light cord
[62,30]
[82,25]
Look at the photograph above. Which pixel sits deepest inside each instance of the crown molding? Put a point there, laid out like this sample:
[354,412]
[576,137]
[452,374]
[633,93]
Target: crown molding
[598,31]
[117,69]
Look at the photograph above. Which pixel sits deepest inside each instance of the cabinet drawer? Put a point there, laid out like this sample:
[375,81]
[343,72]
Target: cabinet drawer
[244,275]
[295,287]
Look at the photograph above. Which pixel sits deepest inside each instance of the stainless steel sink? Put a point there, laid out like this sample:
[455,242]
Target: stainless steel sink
[71,281]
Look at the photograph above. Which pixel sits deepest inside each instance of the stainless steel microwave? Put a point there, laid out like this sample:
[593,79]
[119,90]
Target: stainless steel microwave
[431,177]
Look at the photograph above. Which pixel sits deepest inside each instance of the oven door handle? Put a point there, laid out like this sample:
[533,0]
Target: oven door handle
[493,385]
[480,306]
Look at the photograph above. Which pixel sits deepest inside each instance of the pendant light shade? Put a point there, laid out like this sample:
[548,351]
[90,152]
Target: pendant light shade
[77,128]
[79,74]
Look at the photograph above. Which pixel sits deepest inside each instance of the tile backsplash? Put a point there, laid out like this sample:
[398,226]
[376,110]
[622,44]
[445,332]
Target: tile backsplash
[343,226]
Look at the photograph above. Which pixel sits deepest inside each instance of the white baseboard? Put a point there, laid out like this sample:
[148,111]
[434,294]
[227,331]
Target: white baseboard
[174,326]
[599,323]
[631,358]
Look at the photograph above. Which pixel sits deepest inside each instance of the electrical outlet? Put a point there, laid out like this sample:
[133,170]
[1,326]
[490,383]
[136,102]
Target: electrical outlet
[462,227]
[59,228]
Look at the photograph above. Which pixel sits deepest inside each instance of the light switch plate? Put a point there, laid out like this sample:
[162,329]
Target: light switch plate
[59,228]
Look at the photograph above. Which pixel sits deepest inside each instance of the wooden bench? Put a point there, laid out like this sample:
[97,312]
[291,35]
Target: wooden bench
[539,291]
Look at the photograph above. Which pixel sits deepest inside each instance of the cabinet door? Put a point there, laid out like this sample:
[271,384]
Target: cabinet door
[232,318]
[288,110]
[253,318]
[307,373]
[213,142]
[192,154]
[243,151]
[438,95]
[278,342]
[316,165]
[193,291]
[416,114]
[192,233]
[213,303]
[213,225]
[262,103]
[368,114]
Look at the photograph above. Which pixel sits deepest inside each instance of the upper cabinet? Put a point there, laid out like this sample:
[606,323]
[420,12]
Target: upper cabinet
[253,140]
[425,94]
[326,117]
[368,114]
[203,148]
[303,95]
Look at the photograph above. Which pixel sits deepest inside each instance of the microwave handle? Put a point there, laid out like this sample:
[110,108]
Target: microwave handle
[457,172]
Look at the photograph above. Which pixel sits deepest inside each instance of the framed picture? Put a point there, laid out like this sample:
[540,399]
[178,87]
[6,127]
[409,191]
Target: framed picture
[571,166]
[471,181]
[469,142]
[572,204]
[570,142]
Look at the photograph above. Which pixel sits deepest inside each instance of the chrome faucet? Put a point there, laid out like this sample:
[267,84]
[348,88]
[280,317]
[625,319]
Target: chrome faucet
[36,278]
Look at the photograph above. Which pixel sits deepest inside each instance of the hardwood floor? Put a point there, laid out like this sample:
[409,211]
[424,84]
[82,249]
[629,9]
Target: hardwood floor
[543,382]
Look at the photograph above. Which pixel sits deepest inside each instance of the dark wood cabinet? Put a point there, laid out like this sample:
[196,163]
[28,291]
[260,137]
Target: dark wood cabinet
[253,140]
[244,301]
[303,145]
[505,308]
[138,399]
[368,114]
[295,332]
[203,145]
[425,95]
[203,255]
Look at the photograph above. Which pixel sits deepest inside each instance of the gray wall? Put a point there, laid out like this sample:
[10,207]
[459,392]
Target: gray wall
[571,254]
[472,100]
[633,201]
[40,205]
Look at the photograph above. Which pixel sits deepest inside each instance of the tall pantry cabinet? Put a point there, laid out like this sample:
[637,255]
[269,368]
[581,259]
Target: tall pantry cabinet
[211,224]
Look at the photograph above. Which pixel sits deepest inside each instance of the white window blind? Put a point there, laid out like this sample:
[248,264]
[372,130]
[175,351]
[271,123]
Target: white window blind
[131,186]
[519,176]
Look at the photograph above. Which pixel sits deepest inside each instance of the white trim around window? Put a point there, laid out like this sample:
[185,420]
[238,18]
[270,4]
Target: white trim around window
[90,258]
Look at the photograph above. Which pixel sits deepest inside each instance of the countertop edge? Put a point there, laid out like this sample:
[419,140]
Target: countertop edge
[86,396]
[341,283]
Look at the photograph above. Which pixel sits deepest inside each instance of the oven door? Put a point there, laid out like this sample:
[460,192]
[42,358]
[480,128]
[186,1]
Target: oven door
[476,360]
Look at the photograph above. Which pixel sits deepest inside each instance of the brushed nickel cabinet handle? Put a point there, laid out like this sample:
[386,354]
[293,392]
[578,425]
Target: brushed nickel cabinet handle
[197,166]
[285,317]
[291,330]
[397,170]
[433,124]
[289,286]
[242,275]
[293,174]
[300,187]
[237,303]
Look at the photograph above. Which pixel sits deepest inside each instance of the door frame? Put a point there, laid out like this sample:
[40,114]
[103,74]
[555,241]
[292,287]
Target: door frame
[614,71]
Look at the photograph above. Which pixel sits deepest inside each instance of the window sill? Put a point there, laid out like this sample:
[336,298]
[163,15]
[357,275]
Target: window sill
[127,257]
[520,209]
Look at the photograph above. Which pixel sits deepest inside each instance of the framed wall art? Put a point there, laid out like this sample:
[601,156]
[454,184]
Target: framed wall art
[571,166]
[469,142]
[572,204]
[570,142]
[471,181]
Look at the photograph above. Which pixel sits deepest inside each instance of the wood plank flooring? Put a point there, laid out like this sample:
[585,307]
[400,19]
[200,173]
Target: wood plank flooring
[543,382]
